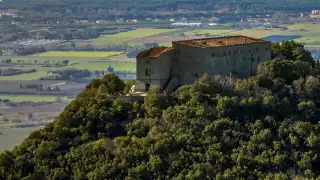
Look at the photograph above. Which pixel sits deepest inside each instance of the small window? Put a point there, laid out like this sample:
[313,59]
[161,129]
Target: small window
[224,53]
[258,59]
[251,59]
[250,51]
[234,52]
[257,49]
[196,75]
[147,87]
[148,72]
[266,49]
[229,53]
[212,54]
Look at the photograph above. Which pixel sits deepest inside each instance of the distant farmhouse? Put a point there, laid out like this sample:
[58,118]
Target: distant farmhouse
[184,62]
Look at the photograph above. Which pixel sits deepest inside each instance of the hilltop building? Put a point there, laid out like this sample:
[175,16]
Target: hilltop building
[110,70]
[185,61]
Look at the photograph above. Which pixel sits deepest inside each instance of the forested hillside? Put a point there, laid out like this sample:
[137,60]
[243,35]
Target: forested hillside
[263,127]
[253,5]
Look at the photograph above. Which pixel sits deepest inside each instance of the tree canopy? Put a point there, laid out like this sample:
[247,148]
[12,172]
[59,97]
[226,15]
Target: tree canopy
[262,127]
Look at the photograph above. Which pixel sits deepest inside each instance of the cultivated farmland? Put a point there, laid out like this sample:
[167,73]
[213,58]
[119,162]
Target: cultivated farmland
[207,31]
[77,54]
[126,36]
[119,66]
[16,136]
[29,98]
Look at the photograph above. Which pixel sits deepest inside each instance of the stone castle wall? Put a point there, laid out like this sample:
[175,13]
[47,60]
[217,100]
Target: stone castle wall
[241,60]
[187,63]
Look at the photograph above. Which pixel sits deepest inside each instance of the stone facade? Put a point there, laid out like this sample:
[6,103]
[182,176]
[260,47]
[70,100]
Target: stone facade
[188,60]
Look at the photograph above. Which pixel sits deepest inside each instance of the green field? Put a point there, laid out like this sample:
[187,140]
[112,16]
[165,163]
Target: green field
[122,37]
[206,31]
[260,32]
[31,98]
[29,76]
[92,64]
[42,71]
[118,66]
[13,136]
[309,32]
[77,54]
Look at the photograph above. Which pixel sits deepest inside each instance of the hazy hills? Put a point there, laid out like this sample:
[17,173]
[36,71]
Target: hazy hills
[252,5]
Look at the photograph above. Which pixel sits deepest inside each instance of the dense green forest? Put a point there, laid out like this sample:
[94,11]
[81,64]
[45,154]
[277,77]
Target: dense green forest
[163,4]
[263,127]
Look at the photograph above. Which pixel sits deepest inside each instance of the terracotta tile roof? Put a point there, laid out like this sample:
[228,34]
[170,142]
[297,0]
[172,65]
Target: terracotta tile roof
[221,41]
[153,52]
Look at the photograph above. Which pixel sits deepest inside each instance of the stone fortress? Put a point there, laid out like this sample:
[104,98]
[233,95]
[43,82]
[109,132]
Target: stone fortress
[170,67]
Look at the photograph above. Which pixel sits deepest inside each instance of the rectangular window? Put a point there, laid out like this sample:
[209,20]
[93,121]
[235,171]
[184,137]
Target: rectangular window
[148,72]
[224,53]
[212,54]
[258,59]
[266,49]
[229,53]
[257,49]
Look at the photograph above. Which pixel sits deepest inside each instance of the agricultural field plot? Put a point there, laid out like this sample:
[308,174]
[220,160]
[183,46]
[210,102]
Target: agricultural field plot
[20,116]
[309,32]
[17,116]
[118,66]
[30,98]
[35,60]
[260,32]
[118,62]
[92,66]
[121,57]
[6,85]
[122,37]
[10,137]
[28,76]
[207,31]
[163,40]
[77,54]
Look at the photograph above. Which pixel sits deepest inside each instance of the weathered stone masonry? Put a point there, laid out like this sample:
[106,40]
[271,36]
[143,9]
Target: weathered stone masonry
[184,62]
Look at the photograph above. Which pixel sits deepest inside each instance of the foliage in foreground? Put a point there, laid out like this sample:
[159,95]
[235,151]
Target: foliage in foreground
[263,127]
